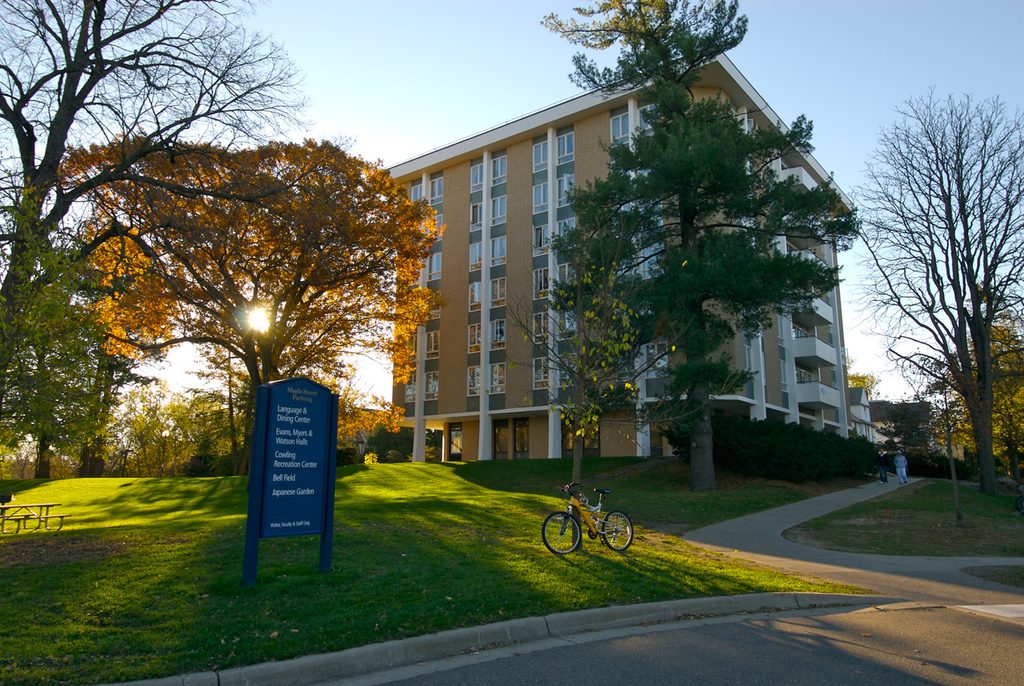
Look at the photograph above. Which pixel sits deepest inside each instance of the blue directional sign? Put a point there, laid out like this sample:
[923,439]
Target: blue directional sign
[291,478]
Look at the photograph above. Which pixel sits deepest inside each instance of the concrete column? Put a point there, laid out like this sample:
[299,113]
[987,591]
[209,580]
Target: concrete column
[419,441]
[484,447]
[759,410]
[554,380]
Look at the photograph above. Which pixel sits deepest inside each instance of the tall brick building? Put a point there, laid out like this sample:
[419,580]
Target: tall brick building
[501,195]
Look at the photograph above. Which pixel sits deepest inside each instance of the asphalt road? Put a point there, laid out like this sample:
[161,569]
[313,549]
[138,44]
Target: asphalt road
[879,646]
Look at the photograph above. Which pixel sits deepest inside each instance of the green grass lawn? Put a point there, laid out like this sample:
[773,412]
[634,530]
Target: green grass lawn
[145,578]
[920,520]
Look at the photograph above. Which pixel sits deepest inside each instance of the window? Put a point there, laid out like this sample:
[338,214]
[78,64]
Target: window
[455,442]
[476,255]
[541,239]
[540,373]
[540,156]
[566,225]
[497,250]
[540,197]
[476,176]
[540,327]
[565,184]
[434,266]
[439,218]
[565,272]
[566,147]
[473,380]
[435,313]
[646,114]
[655,357]
[437,190]
[497,384]
[498,205]
[433,381]
[497,334]
[649,260]
[567,324]
[476,215]
[433,344]
[410,390]
[474,296]
[498,291]
[499,169]
[540,283]
[474,338]
[416,191]
[620,128]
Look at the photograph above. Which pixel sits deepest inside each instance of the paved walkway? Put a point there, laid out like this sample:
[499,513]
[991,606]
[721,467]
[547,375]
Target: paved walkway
[757,537]
[936,580]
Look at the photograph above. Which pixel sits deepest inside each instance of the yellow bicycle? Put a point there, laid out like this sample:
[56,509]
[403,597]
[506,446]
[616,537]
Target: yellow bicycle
[563,531]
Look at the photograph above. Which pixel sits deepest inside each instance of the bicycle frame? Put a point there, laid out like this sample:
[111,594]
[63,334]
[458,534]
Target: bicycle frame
[589,514]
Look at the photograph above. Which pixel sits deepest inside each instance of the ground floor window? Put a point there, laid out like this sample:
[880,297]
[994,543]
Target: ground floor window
[501,440]
[455,442]
[521,438]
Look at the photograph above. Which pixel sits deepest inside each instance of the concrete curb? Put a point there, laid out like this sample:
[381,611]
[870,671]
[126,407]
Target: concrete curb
[316,669]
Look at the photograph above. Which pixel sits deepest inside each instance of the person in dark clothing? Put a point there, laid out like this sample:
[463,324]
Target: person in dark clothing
[882,463]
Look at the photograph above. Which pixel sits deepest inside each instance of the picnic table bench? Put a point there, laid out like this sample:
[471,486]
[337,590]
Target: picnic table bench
[17,518]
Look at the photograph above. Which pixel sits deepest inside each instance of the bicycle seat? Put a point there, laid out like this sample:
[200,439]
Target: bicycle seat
[603,491]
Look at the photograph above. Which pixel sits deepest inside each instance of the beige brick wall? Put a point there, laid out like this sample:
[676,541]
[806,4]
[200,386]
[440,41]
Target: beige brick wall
[592,136]
[454,290]
[618,435]
[539,436]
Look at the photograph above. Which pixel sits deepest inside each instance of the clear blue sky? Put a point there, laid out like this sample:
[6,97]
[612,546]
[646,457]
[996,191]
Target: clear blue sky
[403,77]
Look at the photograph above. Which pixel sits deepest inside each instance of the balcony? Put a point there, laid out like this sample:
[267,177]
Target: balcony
[820,314]
[803,178]
[814,394]
[812,352]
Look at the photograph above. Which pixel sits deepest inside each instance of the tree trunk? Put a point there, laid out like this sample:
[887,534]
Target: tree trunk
[981,423]
[952,475]
[42,458]
[90,463]
[702,460]
[577,458]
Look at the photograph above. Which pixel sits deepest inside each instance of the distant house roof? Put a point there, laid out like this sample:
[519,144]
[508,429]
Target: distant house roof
[858,396]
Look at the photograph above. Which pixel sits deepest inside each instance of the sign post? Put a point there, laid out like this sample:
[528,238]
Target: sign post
[292,472]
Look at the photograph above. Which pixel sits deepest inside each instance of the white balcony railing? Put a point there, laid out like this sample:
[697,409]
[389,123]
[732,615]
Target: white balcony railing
[810,351]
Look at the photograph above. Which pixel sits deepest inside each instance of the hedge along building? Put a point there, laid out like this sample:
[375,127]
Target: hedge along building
[501,195]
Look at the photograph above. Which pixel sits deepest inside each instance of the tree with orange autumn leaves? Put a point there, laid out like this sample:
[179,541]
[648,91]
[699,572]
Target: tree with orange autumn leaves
[321,244]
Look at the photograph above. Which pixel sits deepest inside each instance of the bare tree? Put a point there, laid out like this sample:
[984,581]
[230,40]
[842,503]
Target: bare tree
[945,236]
[154,74]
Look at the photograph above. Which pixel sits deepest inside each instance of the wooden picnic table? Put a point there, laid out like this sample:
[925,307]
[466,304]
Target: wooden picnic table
[21,517]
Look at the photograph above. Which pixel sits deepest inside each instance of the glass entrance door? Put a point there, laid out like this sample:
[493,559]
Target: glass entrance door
[521,438]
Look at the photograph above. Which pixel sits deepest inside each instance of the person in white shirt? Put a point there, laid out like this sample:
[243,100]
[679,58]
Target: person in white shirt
[900,462]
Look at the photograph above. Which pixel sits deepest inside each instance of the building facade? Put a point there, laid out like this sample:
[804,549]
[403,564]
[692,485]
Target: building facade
[501,195]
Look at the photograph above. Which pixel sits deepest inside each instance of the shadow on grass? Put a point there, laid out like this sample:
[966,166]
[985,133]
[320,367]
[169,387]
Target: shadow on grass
[417,549]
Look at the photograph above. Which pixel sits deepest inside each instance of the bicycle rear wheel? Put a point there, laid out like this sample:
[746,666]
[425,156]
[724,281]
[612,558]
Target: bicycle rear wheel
[617,531]
[561,533]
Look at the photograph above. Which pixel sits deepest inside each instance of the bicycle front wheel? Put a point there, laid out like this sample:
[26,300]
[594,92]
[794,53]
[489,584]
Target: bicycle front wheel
[561,533]
[617,531]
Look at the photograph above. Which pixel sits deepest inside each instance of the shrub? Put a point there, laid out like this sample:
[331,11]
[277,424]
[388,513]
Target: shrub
[393,456]
[370,458]
[346,455]
[774,450]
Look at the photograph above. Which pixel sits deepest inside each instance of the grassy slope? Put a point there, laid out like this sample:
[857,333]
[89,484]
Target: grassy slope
[145,578]
[919,520]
